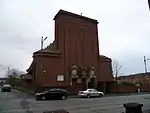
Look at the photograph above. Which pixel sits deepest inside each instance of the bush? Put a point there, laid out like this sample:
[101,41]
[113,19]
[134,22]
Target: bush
[127,84]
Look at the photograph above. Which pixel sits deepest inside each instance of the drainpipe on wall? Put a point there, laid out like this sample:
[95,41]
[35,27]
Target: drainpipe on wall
[42,70]
[87,83]
[33,68]
[116,84]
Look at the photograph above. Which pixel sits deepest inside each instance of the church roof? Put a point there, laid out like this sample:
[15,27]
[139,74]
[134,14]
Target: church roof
[63,12]
[52,48]
[105,58]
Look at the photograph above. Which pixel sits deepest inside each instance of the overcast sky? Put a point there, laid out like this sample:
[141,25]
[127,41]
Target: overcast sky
[124,29]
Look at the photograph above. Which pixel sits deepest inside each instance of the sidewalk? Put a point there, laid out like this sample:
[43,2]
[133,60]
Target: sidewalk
[127,94]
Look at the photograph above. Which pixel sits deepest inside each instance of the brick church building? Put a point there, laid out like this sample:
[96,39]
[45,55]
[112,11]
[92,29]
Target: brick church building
[72,61]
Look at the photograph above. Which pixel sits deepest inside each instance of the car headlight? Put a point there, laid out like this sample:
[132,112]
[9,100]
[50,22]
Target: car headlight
[37,94]
[85,93]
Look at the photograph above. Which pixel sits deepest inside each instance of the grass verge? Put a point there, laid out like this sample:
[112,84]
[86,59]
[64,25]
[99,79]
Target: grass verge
[24,90]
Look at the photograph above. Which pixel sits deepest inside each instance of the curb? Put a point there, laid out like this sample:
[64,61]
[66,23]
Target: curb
[75,96]
[127,94]
[24,90]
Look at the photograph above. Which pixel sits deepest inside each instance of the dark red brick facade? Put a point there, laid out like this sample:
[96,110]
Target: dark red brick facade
[75,47]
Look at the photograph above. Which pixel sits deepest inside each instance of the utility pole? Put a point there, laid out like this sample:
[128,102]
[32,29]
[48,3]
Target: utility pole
[8,71]
[42,41]
[145,65]
[149,3]
[42,70]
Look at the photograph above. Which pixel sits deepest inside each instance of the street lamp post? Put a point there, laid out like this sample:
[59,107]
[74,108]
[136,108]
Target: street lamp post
[42,41]
[42,70]
[149,3]
[145,66]
[8,71]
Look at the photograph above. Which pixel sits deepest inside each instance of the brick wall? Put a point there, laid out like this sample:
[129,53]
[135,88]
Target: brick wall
[145,88]
[123,89]
[105,69]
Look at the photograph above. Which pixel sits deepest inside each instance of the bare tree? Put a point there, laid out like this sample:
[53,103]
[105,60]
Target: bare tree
[13,75]
[116,69]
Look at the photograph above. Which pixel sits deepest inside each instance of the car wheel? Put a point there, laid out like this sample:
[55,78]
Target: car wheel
[63,97]
[88,96]
[43,98]
[36,98]
[100,95]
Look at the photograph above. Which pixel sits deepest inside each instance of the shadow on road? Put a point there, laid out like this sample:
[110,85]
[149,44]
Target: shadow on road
[25,105]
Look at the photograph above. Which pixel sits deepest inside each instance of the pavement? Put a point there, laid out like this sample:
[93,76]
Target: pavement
[19,102]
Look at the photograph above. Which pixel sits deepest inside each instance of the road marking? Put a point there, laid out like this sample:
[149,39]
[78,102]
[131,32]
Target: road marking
[15,90]
[6,95]
[96,108]
[100,108]
[15,110]
[76,109]
[85,109]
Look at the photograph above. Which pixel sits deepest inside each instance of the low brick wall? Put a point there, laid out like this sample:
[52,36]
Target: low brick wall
[127,89]
[145,88]
[122,89]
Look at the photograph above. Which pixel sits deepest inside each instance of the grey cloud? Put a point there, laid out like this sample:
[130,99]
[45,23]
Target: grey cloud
[123,29]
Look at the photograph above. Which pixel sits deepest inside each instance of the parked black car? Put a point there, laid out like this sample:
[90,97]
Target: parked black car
[6,88]
[52,94]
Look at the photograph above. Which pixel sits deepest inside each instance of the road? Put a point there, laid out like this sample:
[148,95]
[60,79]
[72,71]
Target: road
[18,102]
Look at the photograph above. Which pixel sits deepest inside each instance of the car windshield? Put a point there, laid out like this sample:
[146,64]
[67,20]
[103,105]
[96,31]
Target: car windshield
[90,89]
[6,85]
[45,91]
[94,90]
[54,53]
[58,90]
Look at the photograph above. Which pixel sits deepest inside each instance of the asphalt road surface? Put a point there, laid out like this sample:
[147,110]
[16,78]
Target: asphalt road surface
[18,102]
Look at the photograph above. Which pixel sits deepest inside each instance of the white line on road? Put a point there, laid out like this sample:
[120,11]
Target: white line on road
[15,90]
[75,110]
[96,108]
[15,110]
[6,95]
[85,109]
[100,108]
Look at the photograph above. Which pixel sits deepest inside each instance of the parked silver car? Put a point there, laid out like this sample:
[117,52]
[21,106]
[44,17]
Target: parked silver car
[90,93]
